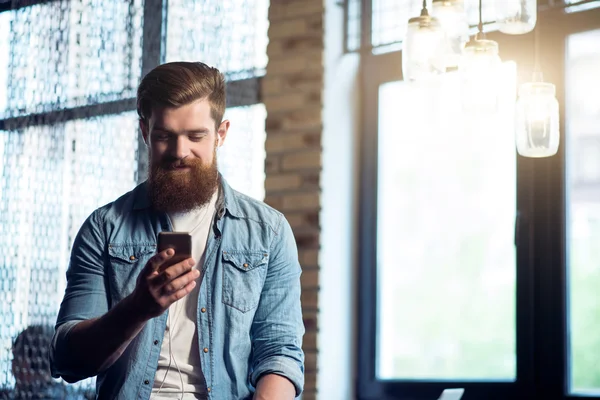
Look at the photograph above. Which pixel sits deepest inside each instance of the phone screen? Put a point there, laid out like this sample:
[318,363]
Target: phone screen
[180,242]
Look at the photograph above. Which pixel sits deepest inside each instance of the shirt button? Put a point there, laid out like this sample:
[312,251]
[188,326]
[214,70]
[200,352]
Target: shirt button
[156,342]
[132,258]
[206,350]
[208,389]
[203,309]
[245,265]
[146,382]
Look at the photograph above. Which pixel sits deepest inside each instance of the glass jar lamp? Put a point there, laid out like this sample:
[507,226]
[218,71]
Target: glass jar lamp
[479,73]
[537,120]
[453,19]
[422,50]
[516,17]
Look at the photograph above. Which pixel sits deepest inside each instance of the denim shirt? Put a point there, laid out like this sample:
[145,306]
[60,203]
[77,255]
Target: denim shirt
[249,317]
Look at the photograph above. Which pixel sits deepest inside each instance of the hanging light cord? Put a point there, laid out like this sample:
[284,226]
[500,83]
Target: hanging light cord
[537,70]
[480,34]
[537,73]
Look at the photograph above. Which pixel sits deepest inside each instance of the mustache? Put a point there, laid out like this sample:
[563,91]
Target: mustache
[172,164]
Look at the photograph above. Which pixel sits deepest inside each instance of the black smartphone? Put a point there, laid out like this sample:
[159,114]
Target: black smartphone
[180,242]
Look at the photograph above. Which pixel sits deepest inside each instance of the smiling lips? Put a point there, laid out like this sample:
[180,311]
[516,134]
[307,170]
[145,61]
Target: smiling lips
[177,166]
[180,165]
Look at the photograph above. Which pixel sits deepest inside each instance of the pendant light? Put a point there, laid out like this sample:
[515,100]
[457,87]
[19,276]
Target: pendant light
[453,18]
[480,72]
[516,17]
[537,115]
[422,50]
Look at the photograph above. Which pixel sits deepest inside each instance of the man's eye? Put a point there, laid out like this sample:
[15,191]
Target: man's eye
[161,138]
[195,138]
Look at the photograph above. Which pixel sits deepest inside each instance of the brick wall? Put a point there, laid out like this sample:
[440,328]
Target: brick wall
[292,92]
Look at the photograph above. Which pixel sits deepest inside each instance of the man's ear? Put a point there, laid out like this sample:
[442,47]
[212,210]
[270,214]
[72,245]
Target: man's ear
[222,132]
[144,128]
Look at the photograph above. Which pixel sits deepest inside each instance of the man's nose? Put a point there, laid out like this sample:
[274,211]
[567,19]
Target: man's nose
[180,148]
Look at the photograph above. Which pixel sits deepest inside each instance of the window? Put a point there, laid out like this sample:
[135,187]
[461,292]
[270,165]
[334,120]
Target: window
[477,266]
[583,208]
[64,64]
[445,237]
[69,141]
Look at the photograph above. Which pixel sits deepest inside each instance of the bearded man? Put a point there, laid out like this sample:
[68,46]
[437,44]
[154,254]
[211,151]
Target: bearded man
[224,324]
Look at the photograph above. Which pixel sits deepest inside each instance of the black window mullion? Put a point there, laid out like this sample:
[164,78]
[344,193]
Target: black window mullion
[153,54]
[550,304]
[69,114]
[366,33]
[525,278]
[367,385]
[8,5]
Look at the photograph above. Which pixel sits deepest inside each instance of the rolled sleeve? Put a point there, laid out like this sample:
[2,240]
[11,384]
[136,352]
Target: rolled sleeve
[59,354]
[283,366]
[278,328]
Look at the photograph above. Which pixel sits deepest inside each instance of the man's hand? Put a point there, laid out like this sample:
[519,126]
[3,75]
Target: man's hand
[160,285]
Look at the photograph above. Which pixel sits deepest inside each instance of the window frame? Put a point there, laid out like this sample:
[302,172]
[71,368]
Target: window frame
[153,54]
[540,228]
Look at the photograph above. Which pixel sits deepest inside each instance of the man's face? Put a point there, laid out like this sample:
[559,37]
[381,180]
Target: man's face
[182,146]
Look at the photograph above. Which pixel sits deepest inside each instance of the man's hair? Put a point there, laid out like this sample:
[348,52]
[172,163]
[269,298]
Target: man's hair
[31,345]
[180,83]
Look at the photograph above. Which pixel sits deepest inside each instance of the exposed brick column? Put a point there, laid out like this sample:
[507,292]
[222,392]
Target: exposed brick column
[292,94]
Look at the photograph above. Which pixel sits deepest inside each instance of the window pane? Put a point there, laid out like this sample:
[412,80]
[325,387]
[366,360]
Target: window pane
[581,5]
[242,157]
[390,17]
[390,20]
[69,53]
[102,163]
[445,236]
[353,31]
[230,35]
[5,21]
[583,208]
[51,178]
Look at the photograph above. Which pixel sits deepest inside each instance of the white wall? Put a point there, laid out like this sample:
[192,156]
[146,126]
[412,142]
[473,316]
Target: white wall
[337,296]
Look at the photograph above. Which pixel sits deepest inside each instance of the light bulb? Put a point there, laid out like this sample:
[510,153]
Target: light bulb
[480,76]
[537,120]
[422,50]
[453,19]
[516,17]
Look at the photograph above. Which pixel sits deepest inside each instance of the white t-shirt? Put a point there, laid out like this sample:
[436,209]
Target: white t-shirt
[180,343]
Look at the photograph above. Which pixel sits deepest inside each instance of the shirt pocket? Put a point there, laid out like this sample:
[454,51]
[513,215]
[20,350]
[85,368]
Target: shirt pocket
[126,262]
[244,275]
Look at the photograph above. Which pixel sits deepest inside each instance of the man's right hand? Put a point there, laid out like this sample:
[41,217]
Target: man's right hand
[159,287]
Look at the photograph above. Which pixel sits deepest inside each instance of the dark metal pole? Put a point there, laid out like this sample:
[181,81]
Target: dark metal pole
[153,54]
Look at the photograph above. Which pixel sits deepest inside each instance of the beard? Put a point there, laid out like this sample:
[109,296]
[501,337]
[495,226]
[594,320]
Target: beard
[175,190]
